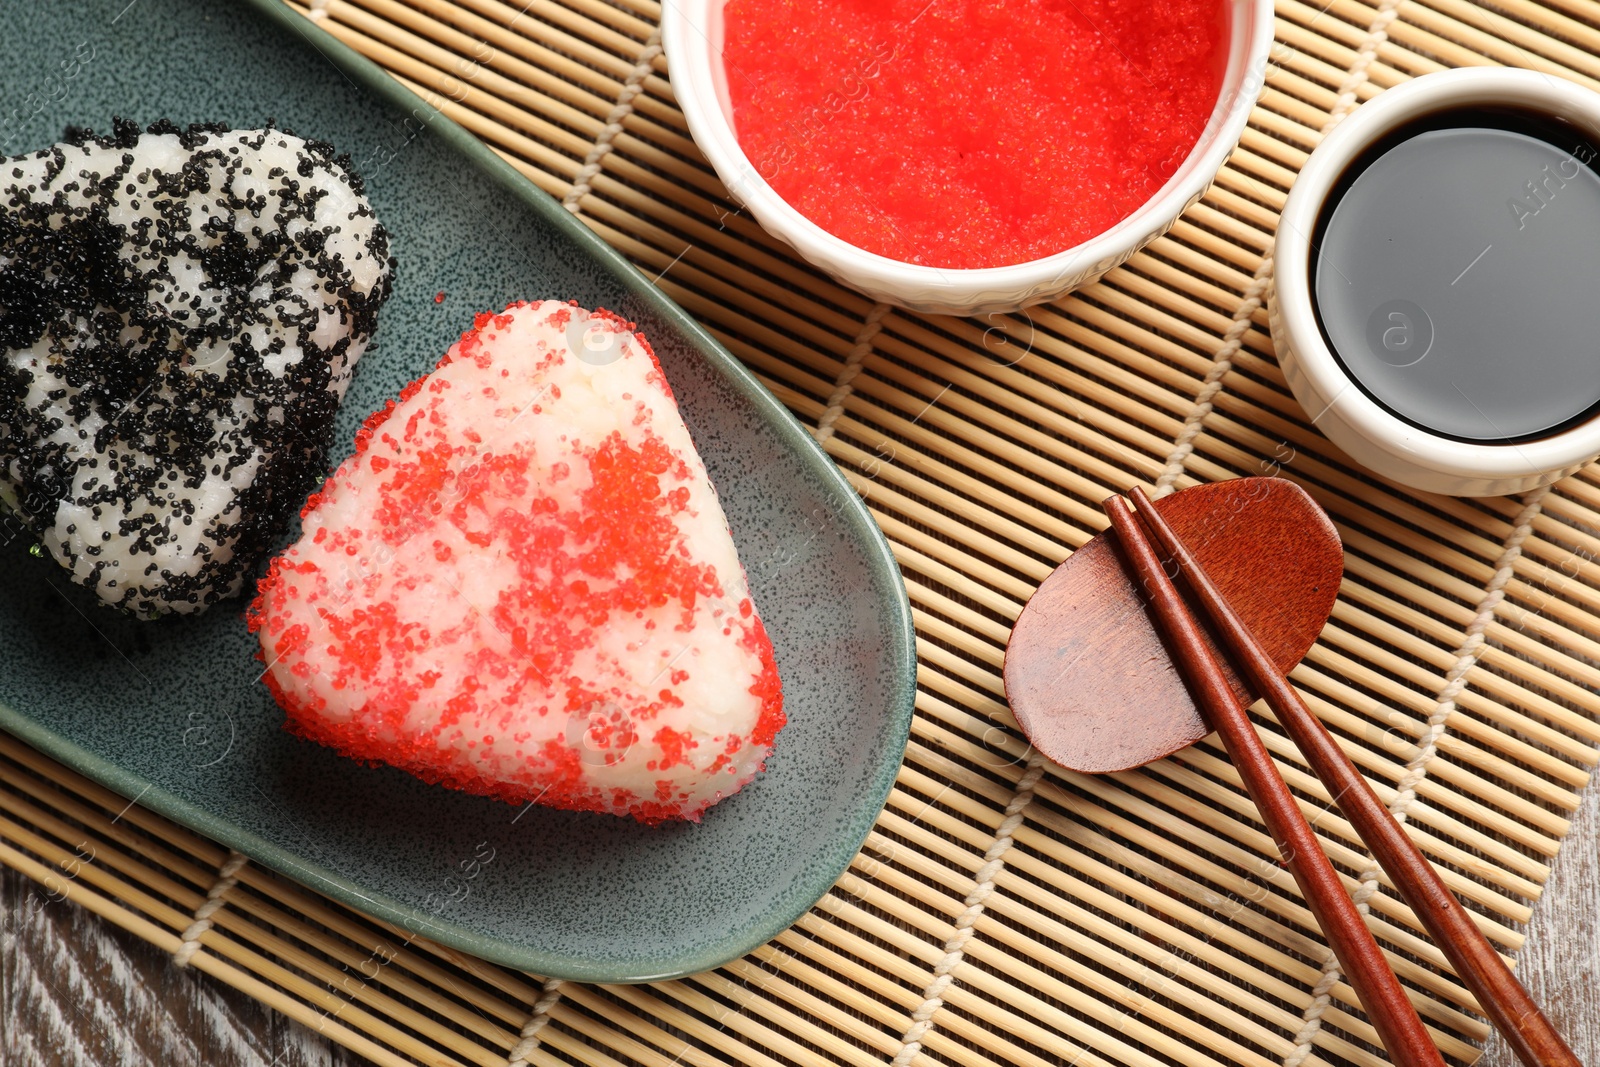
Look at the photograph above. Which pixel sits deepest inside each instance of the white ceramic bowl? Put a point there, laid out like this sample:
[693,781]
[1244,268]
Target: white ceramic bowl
[1338,406]
[692,36]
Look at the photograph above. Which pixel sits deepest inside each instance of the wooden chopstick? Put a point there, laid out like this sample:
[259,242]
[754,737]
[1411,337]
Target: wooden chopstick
[1503,999]
[1399,1028]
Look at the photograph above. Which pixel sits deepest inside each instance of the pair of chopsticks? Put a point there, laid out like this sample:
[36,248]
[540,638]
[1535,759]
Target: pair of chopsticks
[1508,1006]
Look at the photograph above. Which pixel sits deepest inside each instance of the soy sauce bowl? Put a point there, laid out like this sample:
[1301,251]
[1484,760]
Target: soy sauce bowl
[692,34]
[1354,416]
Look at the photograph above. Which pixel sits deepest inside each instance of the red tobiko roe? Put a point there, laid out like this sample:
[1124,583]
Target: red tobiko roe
[971,133]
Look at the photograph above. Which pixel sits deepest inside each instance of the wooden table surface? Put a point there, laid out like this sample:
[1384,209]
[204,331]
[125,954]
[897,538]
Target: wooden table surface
[75,991]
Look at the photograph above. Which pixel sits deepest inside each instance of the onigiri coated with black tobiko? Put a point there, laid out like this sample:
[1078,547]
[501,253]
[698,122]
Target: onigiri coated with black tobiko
[181,311]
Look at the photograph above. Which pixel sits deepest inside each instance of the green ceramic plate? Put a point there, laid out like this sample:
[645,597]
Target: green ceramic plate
[170,712]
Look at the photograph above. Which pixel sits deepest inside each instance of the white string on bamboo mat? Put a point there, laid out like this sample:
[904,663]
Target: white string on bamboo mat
[966,922]
[1221,364]
[871,326]
[1251,299]
[1468,653]
[603,144]
[518,1057]
[227,878]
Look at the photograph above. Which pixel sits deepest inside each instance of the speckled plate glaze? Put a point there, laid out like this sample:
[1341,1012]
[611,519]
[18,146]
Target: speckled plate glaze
[171,713]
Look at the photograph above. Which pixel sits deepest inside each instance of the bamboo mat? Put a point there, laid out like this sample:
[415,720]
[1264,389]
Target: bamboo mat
[1003,911]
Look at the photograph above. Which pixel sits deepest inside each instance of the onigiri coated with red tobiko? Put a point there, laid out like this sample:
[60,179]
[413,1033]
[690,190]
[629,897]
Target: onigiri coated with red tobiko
[522,585]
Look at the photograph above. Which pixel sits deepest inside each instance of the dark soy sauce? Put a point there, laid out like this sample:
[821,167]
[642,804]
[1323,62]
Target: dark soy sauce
[1457,274]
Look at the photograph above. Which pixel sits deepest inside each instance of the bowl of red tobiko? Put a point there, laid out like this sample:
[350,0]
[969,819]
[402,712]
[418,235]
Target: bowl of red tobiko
[967,156]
